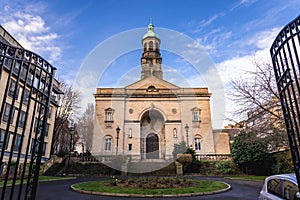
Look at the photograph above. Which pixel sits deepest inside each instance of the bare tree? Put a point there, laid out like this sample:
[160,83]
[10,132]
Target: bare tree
[85,126]
[69,103]
[256,99]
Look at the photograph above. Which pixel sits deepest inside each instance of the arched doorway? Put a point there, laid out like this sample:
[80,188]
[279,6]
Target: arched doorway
[152,146]
[152,135]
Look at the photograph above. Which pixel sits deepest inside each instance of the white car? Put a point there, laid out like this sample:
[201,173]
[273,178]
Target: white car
[280,187]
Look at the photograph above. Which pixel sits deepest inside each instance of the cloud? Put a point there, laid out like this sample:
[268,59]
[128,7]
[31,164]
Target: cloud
[30,29]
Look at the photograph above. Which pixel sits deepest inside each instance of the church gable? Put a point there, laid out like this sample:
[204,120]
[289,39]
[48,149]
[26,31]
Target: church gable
[152,82]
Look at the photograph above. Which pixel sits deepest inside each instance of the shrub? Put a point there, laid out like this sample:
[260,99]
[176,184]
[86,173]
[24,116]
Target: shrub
[225,167]
[184,158]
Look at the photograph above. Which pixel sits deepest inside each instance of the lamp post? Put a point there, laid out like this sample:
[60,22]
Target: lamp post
[71,128]
[187,134]
[118,132]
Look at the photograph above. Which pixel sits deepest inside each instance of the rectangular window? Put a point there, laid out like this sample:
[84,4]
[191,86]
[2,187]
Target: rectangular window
[107,144]
[129,147]
[7,63]
[195,116]
[47,130]
[16,66]
[17,144]
[24,71]
[8,108]
[30,77]
[13,89]
[26,97]
[2,142]
[49,112]
[22,119]
[37,147]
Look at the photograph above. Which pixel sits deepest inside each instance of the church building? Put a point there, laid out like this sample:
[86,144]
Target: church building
[146,118]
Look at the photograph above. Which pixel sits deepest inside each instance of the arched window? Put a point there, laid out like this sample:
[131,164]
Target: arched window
[197,143]
[157,46]
[175,133]
[150,46]
[107,143]
[145,47]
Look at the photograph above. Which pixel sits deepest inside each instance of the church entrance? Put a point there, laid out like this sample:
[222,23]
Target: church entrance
[152,146]
[152,135]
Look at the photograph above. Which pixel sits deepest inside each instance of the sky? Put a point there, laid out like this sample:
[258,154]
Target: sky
[204,43]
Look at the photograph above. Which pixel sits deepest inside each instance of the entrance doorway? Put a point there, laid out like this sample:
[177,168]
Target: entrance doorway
[152,146]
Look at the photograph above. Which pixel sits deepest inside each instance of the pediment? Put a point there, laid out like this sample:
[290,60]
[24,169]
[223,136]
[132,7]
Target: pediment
[152,83]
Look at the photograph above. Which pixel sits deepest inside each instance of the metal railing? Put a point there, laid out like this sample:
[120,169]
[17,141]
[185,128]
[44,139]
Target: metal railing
[286,63]
[25,101]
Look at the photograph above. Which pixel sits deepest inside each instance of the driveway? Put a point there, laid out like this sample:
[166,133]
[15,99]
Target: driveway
[59,190]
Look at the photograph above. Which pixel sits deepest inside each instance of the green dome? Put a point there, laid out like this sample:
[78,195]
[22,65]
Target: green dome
[150,32]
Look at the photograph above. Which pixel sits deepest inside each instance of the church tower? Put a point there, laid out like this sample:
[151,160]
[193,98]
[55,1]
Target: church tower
[151,58]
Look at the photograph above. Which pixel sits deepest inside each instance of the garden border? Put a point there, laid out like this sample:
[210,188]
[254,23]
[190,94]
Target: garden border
[152,195]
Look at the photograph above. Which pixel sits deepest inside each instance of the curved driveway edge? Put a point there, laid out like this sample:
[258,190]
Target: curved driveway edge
[154,195]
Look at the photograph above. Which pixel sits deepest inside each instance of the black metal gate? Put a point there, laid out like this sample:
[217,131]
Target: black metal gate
[25,91]
[286,63]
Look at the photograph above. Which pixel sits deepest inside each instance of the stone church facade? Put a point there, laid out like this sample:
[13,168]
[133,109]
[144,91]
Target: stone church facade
[153,114]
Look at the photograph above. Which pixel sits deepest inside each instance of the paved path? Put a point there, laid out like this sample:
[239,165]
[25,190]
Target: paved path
[59,190]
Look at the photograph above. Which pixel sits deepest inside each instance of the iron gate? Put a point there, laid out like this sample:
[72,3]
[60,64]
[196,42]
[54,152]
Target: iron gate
[286,64]
[27,79]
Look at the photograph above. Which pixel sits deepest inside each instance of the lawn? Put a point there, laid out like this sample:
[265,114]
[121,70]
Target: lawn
[248,178]
[196,186]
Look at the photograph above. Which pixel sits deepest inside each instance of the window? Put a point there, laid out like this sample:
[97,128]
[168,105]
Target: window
[22,119]
[26,97]
[8,108]
[17,144]
[38,125]
[109,112]
[24,71]
[13,92]
[289,190]
[196,112]
[2,142]
[109,115]
[130,133]
[49,112]
[175,133]
[7,63]
[47,130]
[145,47]
[30,77]
[197,144]
[274,187]
[17,67]
[150,46]
[129,147]
[157,46]
[37,147]
[107,144]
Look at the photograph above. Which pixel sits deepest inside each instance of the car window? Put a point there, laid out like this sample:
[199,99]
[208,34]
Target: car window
[289,190]
[274,187]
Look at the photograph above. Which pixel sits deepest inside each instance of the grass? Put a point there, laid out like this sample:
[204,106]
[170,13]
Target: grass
[248,178]
[201,186]
[41,178]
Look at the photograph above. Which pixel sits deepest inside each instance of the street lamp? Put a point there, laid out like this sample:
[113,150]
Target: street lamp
[187,134]
[118,132]
[71,129]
